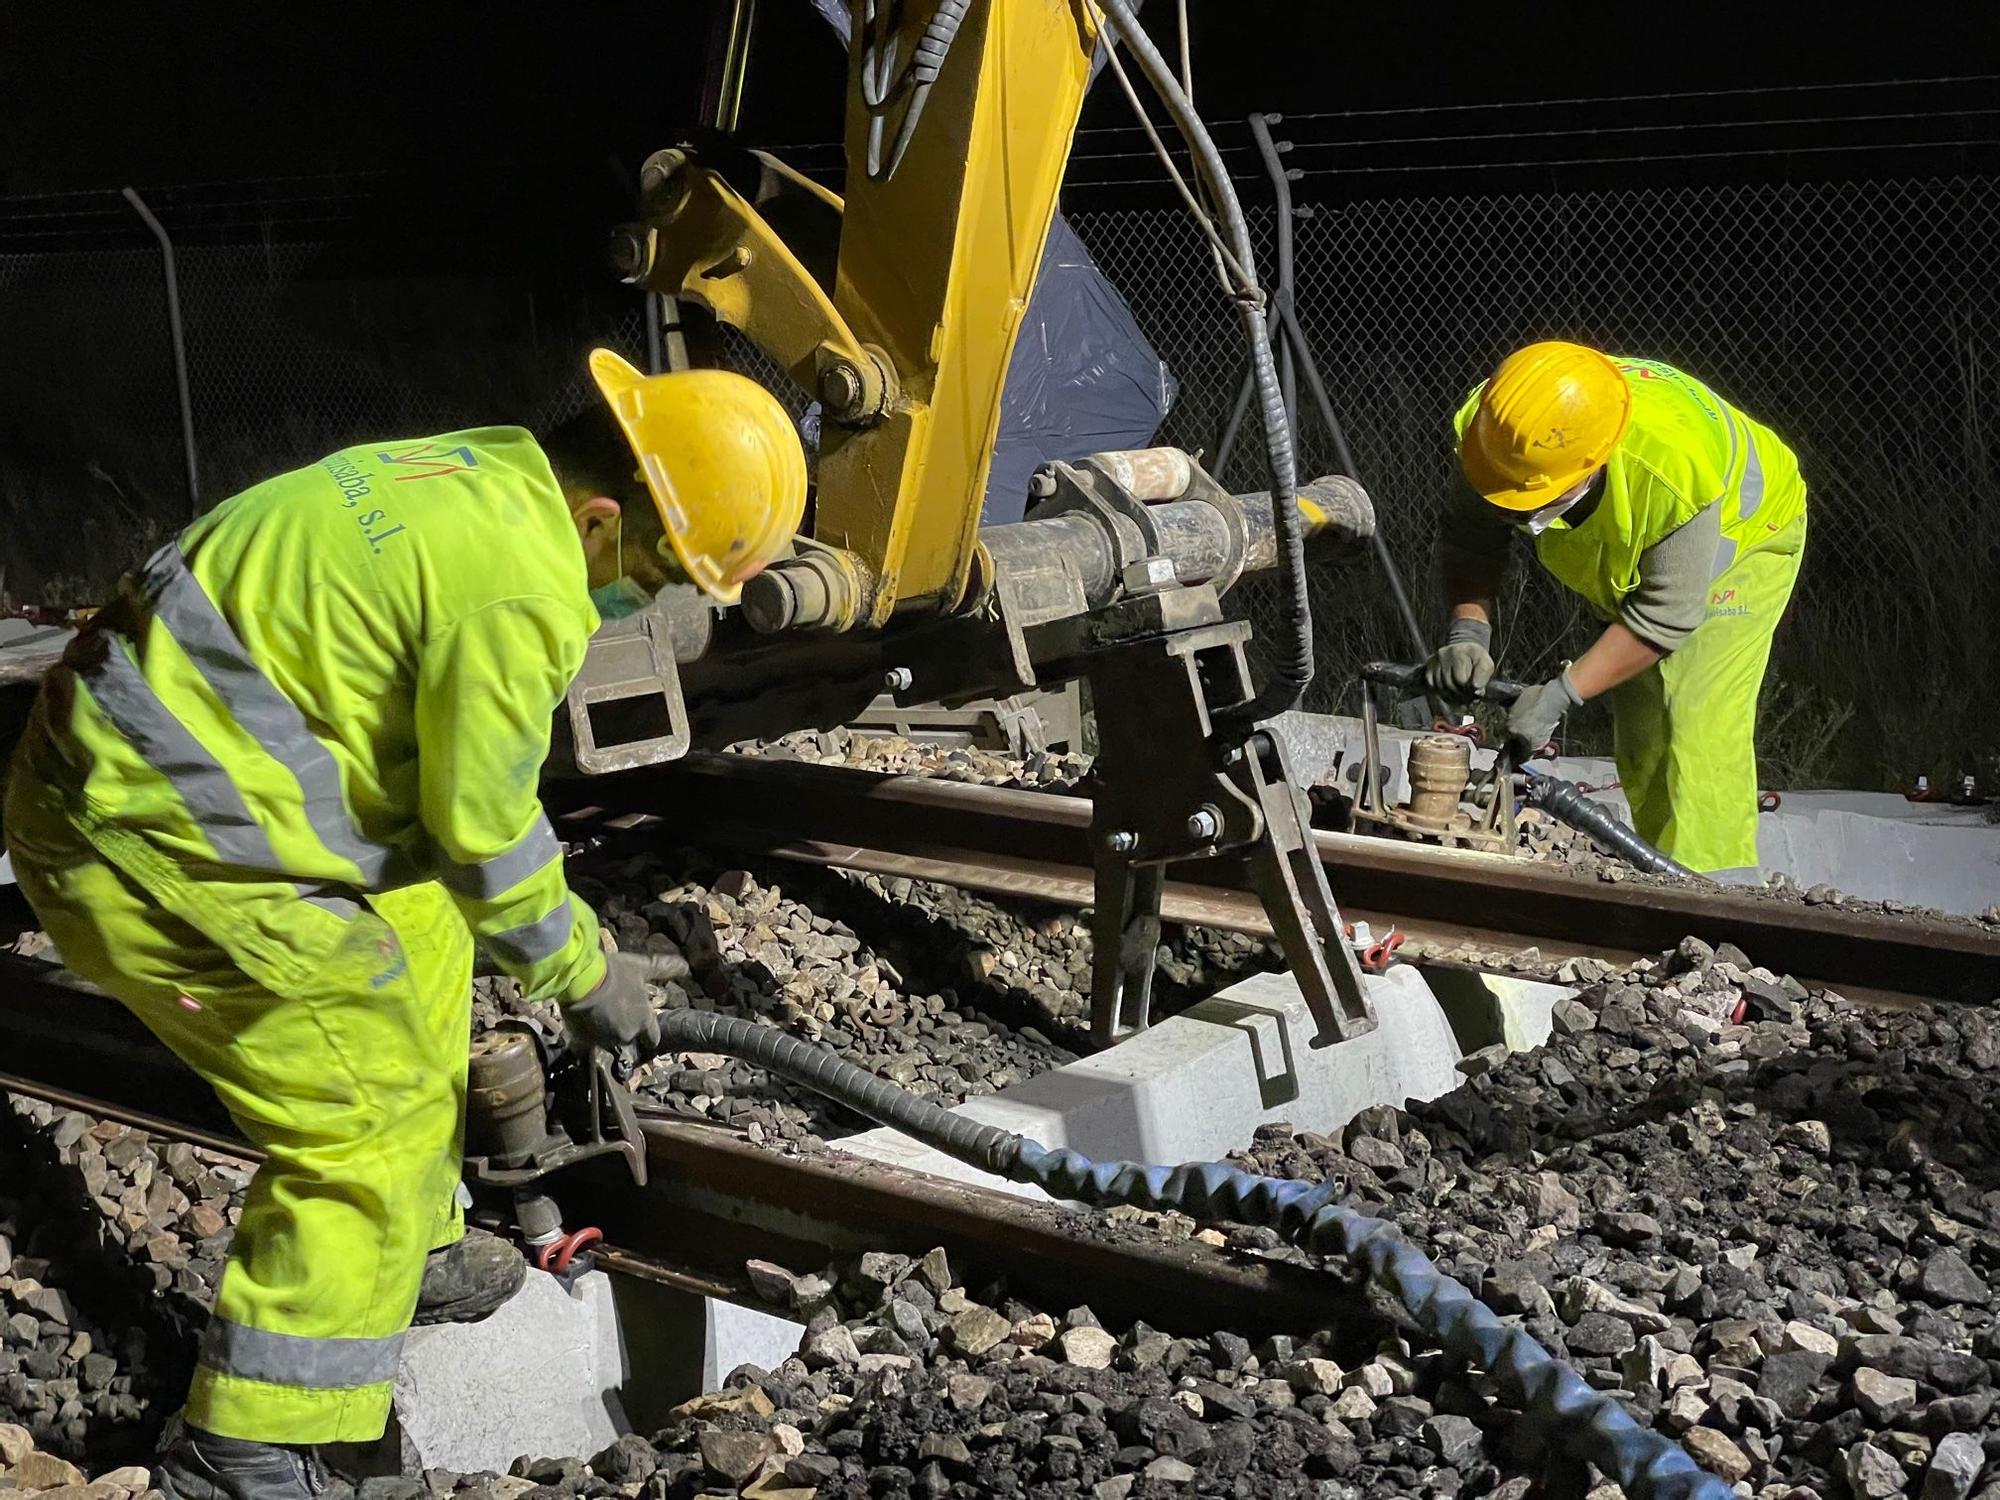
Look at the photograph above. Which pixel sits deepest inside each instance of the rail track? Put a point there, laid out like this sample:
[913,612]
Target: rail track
[715,1200]
[1035,845]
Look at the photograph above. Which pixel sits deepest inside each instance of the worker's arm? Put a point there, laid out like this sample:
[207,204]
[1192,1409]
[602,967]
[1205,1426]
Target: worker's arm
[1473,542]
[486,690]
[1472,560]
[1614,657]
[1662,612]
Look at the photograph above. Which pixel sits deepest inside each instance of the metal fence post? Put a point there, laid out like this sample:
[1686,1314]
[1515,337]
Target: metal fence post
[180,344]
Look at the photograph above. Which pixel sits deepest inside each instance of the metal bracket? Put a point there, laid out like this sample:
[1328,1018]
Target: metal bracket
[1167,792]
[1090,487]
[1298,900]
[629,662]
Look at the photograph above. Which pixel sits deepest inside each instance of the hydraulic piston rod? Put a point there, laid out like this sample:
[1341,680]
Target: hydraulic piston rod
[1202,540]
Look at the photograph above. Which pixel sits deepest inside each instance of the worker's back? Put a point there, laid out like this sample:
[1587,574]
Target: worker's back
[287,656]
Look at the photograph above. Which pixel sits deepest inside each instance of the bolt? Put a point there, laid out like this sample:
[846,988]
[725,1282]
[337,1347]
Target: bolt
[1204,823]
[631,252]
[898,679]
[840,389]
[1042,484]
[1123,841]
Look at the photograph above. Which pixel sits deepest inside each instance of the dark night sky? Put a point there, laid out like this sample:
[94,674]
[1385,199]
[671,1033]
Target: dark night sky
[97,97]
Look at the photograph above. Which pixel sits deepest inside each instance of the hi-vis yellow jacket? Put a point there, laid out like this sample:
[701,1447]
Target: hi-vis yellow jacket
[337,683]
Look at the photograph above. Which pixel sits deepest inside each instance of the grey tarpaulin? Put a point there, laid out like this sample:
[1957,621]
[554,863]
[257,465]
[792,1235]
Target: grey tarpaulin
[1083,377]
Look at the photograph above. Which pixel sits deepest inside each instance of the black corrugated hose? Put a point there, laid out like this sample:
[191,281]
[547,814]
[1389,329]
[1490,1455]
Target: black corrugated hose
[1583,1423]
[1294,668]
[1566,801]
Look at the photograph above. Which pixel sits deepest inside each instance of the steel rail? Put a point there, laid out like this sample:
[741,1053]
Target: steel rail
[714,1199]
[1028,843]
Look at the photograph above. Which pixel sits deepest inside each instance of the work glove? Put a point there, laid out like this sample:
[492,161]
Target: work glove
[1532,721]
[619,1012]
[1463,664]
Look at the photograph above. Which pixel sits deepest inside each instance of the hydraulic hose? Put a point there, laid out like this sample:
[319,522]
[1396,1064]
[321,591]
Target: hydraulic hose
[1583,1423]
[1566,800]
[1292,343]
[1294,668]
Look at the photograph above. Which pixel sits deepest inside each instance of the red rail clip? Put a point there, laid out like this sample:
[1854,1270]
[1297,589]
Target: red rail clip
[555,1257]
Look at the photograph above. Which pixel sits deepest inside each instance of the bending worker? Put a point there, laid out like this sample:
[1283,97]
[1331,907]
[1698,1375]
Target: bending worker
[1681,522]
[277,791]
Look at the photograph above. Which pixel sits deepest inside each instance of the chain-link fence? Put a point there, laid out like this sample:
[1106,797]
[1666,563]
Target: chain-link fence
[1861,320]
[1858,318]
[293,350]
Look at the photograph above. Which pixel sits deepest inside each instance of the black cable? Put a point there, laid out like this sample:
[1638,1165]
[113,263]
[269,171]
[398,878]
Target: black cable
[1294,667]
[1566,801]
[1585,1424]
[1297,349]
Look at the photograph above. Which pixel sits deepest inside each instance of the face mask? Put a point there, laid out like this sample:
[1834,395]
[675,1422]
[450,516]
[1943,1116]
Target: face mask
[617,600]
[621,597]
[1549,514]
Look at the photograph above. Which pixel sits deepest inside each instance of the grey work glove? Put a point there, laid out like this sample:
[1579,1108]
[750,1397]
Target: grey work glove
[1464,663]
[619,1012]
[1532,721]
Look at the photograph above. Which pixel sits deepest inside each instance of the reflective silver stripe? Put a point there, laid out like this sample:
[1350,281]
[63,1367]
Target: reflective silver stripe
[197,778]
[534,941]
[135,710]
[1725,554]
[303,1363]
[326,901]
[1752,492]
[537,848]
[267,715]
[1735,442]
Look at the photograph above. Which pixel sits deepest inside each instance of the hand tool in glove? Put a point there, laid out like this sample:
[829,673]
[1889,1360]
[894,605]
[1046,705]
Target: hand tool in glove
[1464,663]
[619,1012]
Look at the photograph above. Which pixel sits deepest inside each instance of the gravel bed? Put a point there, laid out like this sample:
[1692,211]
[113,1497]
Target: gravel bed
[1042,770]
[1776,1237]
[110,1246]
[1768,1218]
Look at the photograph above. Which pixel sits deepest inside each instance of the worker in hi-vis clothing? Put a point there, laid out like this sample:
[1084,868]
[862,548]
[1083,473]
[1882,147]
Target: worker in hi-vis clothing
[278,790]
[1681,522]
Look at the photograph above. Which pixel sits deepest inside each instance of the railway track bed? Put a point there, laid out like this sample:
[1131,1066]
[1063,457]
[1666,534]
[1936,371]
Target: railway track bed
[1536,1183]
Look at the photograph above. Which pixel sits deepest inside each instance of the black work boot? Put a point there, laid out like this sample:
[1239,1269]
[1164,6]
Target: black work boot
[466,1281]
[199,1465]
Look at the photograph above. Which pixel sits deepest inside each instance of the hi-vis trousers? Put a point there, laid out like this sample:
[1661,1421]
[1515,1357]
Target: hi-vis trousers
[344,1062]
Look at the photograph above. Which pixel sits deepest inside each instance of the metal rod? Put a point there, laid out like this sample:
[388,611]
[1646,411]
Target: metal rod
[180,345]
[656,358]
[729,65]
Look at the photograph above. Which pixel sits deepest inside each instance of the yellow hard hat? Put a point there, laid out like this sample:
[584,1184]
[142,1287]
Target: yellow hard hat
[723,462]
[1550,416]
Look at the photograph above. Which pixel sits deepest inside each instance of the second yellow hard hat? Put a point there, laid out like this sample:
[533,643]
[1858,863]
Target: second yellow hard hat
[722,461]
[1551,414]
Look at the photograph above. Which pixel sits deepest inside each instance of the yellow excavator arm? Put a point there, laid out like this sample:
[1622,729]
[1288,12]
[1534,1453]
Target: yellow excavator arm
[959,122]
[897,304]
